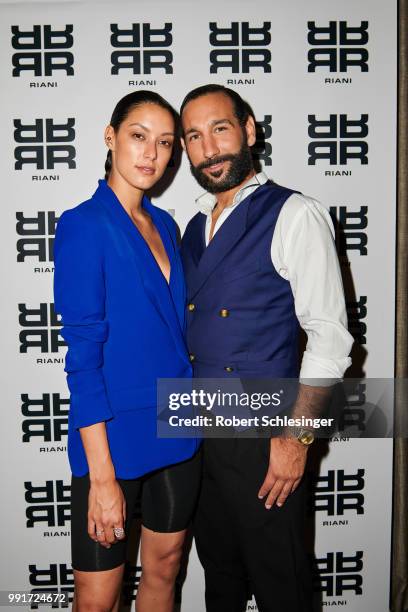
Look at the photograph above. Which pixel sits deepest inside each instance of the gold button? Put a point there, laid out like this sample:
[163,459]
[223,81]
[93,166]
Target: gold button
[228,369]
[192,357]
[191,307]
[224,312]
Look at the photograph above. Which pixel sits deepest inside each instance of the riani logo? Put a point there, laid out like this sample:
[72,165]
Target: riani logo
[353,417]
[48,503]
[262,150]
[44,419]
[350,229]
[338,141]
[40,331]
[338,574]
[143,50]
[240,48]
[338,494]
[45,144]
[36,240]
[252,605]
[337,47]
[56,578]
[42,52]
[356,314]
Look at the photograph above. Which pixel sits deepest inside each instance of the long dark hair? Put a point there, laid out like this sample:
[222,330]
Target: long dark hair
[127,104]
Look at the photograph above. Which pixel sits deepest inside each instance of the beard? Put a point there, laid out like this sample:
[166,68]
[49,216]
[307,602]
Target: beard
[241,165]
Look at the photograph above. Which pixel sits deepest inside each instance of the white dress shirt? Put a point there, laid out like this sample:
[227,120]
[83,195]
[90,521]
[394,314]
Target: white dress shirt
[303,252]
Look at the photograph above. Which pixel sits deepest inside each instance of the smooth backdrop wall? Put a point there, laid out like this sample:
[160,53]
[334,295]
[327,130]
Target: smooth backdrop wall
[321,77]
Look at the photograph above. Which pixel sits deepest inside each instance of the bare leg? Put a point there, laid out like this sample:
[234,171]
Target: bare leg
[97,591]
[160,557]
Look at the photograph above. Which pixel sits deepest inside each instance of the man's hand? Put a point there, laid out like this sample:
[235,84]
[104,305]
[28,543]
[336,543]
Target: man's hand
[287,461]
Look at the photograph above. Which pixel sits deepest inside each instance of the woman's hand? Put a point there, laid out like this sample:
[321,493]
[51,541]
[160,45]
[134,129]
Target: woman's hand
[106,511]
[106,503]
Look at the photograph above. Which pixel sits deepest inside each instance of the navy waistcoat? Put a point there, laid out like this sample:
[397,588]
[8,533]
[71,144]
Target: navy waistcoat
[241,318]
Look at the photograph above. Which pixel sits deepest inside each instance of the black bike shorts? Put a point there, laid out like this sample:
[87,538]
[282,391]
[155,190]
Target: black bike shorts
[167,497]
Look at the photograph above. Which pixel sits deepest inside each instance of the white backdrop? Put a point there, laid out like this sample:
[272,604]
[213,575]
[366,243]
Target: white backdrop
[318,72]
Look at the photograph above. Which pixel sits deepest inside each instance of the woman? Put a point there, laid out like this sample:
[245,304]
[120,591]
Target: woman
[120,290]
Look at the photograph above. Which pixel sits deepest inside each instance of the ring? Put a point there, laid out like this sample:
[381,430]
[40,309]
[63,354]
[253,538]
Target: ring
[119,532]
[100,532]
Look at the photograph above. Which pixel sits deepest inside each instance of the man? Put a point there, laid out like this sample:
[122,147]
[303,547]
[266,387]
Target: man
[259,260]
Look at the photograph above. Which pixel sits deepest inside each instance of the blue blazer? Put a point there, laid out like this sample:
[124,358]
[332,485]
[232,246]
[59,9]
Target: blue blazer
[124,326]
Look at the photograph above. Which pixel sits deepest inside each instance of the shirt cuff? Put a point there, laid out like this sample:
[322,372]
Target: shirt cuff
[314,368]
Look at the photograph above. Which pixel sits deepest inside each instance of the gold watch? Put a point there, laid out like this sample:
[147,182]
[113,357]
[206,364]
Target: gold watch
[304,436]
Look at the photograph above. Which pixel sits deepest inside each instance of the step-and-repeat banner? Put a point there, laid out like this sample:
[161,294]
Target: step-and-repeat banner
[321,78]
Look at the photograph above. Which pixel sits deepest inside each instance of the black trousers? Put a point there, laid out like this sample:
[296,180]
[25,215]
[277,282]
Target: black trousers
[244,548]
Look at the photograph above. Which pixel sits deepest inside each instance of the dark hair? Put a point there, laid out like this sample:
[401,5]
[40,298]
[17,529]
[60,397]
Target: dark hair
[242,109]
[127,104]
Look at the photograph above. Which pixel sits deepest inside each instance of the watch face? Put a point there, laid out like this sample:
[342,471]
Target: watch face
[306,437]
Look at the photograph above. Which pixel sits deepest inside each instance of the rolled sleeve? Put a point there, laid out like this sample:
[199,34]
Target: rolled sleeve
[308,259]
[79,294]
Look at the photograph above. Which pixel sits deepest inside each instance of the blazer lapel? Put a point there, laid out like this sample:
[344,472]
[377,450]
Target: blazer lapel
[175,290]
[195,239]
[154,283]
